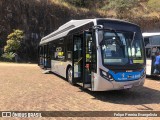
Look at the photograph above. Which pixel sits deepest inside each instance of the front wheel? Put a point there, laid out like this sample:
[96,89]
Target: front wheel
[69,76]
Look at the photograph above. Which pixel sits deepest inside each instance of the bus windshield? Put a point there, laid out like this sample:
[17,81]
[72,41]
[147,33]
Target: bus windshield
[121,48]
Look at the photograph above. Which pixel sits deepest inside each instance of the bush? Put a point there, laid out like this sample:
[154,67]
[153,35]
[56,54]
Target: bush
[8,56]
[14,41]
[154,5]
[79,3]
[122,7]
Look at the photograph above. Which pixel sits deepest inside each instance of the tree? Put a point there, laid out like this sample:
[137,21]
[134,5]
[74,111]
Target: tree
[14,41]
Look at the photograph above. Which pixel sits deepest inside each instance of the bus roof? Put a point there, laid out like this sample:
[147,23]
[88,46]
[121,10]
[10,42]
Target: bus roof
[71,25]
[64,30]
[150,34]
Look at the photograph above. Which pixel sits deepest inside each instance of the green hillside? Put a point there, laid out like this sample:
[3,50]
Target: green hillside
[37,18]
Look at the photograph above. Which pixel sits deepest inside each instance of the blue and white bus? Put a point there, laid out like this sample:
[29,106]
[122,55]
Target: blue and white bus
[152,46]
[99,54]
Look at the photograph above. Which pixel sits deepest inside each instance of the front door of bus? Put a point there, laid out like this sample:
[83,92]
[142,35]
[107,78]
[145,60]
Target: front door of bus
[87,61]
[82,59]
[77,58]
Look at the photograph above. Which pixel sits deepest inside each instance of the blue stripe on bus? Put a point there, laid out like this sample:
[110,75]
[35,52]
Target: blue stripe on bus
[126,76]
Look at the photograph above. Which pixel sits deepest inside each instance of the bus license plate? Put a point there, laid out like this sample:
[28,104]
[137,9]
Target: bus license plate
[127,86]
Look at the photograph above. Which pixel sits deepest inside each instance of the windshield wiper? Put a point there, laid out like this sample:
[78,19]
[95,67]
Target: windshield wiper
[117,39]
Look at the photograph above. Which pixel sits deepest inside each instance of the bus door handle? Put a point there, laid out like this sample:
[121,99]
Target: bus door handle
[76,63]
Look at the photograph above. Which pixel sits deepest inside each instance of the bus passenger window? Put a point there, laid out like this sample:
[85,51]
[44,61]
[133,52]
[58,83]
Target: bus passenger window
[77,47]
[59,50]
[154,51]
[148,53]
[69,55]
[88,47]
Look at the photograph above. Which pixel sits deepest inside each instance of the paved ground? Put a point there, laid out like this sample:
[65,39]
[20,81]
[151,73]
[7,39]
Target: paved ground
[23,87]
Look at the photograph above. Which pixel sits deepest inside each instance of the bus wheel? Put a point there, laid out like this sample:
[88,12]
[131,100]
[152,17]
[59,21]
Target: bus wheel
[69,76]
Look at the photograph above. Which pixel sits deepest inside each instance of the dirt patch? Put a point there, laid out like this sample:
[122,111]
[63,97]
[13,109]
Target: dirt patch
[23,87]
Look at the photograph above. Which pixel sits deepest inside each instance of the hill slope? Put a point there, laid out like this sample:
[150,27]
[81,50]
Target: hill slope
[38,18]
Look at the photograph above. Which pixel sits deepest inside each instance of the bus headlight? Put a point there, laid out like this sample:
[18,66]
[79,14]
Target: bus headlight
[106,75]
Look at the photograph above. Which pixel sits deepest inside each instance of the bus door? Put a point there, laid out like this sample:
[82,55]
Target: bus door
[154,52]
[148,61]
[83,59]
[77,58]
[40,55]
[87,59]
[49,47]
[47,57]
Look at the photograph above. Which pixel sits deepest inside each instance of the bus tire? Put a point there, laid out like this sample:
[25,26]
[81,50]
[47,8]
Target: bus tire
[69,76]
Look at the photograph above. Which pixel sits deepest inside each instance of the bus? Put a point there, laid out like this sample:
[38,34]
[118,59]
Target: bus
[152,46]
[99,54]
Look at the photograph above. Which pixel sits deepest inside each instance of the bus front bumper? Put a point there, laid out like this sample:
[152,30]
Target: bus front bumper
[128,84]
[101,84]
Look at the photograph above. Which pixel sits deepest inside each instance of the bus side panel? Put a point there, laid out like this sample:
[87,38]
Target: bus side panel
[148,66]
[59,67]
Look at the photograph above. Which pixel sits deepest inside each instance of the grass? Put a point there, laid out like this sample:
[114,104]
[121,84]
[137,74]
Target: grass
[70,7]
[143,9]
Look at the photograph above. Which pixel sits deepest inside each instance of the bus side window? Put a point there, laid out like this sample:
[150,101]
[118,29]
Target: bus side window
[69,47]
[146,41]
[154,51]
[41,55]
[88,47]
[54,51]
[148,53]
[60,50]
[69,55]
